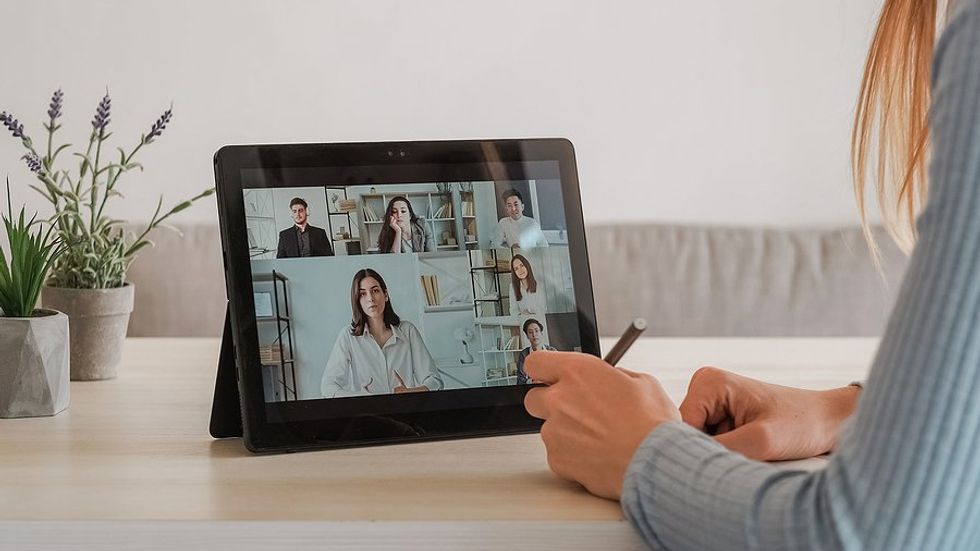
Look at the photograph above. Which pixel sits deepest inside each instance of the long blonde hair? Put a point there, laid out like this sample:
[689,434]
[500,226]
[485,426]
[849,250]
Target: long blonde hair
[891,122]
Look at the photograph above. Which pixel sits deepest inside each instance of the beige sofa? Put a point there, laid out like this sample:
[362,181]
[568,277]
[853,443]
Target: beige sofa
[685,280]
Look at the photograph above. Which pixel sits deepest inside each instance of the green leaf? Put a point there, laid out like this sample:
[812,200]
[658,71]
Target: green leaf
[32,250]
[59,150]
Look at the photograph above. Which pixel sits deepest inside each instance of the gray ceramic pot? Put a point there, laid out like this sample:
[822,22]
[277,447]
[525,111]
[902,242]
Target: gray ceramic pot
[34,365]
[98,319]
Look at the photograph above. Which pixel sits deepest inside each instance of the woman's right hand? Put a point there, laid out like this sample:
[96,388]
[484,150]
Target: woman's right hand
[393,224]
[765,421]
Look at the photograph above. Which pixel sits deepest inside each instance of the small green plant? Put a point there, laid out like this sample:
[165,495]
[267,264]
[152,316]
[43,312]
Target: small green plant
[31,255]
[97,250]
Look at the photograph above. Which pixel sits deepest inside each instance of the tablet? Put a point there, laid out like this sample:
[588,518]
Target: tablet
[391,292]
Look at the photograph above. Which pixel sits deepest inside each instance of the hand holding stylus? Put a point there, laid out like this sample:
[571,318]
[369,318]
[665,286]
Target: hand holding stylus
[595,416]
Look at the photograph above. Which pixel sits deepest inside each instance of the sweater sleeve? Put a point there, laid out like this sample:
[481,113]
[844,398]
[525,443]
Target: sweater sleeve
[906,474]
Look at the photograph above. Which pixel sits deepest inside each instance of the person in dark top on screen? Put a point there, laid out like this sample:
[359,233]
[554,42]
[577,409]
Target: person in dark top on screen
[302,239]
[535,337]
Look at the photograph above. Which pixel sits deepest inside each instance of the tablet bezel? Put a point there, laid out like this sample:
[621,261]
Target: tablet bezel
[371,420]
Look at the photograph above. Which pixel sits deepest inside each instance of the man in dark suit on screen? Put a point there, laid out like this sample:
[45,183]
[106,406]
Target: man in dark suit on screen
[302,239]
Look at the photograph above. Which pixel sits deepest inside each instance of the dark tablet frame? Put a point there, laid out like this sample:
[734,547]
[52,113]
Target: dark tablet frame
[371,420]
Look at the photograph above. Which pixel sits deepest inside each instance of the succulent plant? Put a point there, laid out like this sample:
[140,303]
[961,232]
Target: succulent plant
[32,251]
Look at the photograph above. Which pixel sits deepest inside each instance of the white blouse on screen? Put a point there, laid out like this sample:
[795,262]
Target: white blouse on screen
[358,366]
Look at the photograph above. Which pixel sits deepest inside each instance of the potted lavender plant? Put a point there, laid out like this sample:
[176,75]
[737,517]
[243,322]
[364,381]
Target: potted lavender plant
[88,282]
[33,343]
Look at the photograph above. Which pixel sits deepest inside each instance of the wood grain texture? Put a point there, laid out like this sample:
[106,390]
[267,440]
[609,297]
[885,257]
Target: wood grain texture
[137,448]
[279,535]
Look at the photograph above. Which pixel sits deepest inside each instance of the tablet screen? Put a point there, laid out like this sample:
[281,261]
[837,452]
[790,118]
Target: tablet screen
[381,286]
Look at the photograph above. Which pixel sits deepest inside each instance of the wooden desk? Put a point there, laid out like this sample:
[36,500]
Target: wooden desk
[133,459]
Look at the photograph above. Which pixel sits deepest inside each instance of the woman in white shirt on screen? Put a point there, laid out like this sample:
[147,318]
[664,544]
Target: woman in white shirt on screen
[379,353]
[526,293]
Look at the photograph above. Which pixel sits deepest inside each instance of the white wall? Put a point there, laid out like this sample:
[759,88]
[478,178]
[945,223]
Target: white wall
[717,111]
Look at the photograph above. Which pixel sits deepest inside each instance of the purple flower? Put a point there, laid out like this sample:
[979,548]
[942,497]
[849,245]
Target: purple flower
[33,162]
[54,111]
[13,125]
[158,126]
[101,119]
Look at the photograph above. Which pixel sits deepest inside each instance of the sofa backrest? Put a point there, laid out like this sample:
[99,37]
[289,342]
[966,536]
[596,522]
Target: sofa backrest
[685,280]
[733,282]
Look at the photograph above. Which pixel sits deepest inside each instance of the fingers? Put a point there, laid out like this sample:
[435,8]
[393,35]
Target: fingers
[706,401]
[536,402]
[545,366]
[751,440]
[548,366]
[694,410]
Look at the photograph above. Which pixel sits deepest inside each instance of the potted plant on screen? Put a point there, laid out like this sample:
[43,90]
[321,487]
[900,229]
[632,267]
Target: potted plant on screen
[88,282]
[33,342]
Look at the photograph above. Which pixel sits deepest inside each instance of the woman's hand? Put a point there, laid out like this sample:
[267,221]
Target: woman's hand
[765,421]
[393,224]
[595,416]
[402,388]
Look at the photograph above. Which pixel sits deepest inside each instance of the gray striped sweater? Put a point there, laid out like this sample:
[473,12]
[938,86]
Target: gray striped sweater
[906,474]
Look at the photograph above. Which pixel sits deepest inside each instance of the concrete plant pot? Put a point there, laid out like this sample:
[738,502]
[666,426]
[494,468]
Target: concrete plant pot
[34,365]
[98,319]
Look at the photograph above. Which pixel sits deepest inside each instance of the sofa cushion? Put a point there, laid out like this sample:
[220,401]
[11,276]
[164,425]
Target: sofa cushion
[180,285]
[711,281]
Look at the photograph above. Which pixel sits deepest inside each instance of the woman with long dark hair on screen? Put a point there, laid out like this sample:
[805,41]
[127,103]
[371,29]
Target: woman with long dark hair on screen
[402,231]
[379,353]
[526,295]
[905,467]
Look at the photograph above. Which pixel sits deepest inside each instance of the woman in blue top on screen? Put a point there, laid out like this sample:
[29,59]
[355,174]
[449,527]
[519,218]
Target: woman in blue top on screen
[905,468]
[402,231]
[526,292]
[379,353]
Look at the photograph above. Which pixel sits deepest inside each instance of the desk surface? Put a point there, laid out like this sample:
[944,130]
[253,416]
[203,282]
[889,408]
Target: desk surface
[137,448]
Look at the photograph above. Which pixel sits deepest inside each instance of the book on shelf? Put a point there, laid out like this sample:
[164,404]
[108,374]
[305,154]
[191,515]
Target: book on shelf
[369,214]
[270,353]
[445,211]
[430,285]
[513,343]
[468,208]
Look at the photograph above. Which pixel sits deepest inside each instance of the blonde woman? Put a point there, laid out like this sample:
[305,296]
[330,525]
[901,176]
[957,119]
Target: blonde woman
[905,469]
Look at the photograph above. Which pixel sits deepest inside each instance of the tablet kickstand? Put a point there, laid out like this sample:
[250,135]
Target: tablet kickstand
[226,408]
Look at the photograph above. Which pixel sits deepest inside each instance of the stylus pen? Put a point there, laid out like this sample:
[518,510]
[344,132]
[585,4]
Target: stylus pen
[635,329]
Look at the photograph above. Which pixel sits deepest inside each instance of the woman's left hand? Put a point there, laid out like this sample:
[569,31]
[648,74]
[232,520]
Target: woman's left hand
[595,416]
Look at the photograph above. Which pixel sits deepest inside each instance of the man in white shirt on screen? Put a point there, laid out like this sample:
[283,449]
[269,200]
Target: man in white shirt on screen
[517,230]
